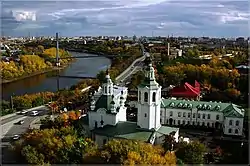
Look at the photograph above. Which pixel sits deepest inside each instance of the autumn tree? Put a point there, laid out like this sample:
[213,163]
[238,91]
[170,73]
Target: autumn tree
[54,146]
[129,152]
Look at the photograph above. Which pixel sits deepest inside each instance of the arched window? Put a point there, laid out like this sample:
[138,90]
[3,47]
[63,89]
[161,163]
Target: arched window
[179,114]
[231,122]
[217,117]
[229,130]
[139,96]
[145,97]
[237,123]
[154,95]
[109,89]
[183,122]
[236,131]
[105,89]
[184,114]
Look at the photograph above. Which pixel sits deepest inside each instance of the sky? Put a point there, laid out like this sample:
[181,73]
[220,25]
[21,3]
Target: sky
[214,18]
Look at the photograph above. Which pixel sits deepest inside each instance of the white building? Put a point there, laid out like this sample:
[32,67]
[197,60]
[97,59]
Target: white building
[107,117]
[226,116]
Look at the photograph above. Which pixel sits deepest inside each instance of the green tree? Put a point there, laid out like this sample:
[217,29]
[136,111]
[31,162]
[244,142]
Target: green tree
[101,76]
[32,156]
[169,143]
[191,153]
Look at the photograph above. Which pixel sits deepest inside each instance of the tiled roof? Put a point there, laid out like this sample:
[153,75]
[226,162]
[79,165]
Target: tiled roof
[126,130]
[229,109]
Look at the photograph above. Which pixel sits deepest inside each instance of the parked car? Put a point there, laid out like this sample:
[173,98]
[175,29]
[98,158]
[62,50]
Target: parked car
[16,137]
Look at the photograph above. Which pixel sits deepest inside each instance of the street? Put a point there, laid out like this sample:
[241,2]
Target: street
[7,156]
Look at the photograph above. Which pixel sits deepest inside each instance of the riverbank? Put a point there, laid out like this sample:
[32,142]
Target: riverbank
[33,74]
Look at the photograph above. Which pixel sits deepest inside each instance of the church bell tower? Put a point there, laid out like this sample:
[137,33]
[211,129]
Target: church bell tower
[149,99]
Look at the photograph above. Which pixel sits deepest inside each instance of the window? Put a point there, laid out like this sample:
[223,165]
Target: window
[213,125]
[193,115]
[179,122]
[188,122]
[184,114]
[183,122]
[193,123]
[189,114]
[160,121]
[95,124]
[208,125]
[208,116]
[174,122]
[145,115]
[139,96]
[217,117]
[105,89]
[237,123]
[231,122]
[199,115]
[204,116]
[203,123]
[236,131]
[104,141]
[171,113]
[109,89]
[179,114]
[161,112]
[154,94]
[145,97]
[229,130]
[198,123]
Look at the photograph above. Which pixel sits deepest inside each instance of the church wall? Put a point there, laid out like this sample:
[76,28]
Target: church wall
[97,117]
[100,140]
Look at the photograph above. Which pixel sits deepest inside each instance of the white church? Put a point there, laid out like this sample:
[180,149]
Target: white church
[107,115]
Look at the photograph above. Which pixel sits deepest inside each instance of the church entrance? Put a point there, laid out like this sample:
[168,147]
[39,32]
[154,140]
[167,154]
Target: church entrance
[217,125]
[170,121]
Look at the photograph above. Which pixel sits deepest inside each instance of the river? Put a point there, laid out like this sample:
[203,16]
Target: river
[84,67]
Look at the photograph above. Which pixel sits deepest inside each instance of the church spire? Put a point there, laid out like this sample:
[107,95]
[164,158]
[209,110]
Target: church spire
[149,69]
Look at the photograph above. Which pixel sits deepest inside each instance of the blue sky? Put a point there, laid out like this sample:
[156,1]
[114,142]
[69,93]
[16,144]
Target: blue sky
[215,18]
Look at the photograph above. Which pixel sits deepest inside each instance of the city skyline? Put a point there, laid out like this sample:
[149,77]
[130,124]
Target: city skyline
[220,18]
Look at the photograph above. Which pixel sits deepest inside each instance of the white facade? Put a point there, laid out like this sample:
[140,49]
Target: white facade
[233,126]
[110,96]
[199,113]
[149,101]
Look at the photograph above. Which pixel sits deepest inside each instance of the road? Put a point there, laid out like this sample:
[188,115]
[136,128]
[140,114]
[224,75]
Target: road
[7,156]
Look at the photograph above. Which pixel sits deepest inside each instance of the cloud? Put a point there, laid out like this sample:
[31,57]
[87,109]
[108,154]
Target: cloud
[120,17]
[24,15]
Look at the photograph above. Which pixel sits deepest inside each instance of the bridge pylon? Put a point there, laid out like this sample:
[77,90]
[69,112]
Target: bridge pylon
[57,50]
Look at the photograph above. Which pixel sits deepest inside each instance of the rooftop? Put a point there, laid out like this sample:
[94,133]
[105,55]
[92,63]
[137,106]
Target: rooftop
[228,109]
[126,130]
[130,130]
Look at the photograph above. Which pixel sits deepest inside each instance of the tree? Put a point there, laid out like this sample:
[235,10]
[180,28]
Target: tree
[129,152]
[168,143]
[101,76]
[32,156]
[191,153]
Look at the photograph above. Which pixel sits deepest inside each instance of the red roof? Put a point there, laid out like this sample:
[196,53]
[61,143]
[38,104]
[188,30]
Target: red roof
[186,90]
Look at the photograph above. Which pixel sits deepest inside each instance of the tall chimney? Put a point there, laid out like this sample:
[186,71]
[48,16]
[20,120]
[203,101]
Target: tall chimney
[168,48]
[57,49]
